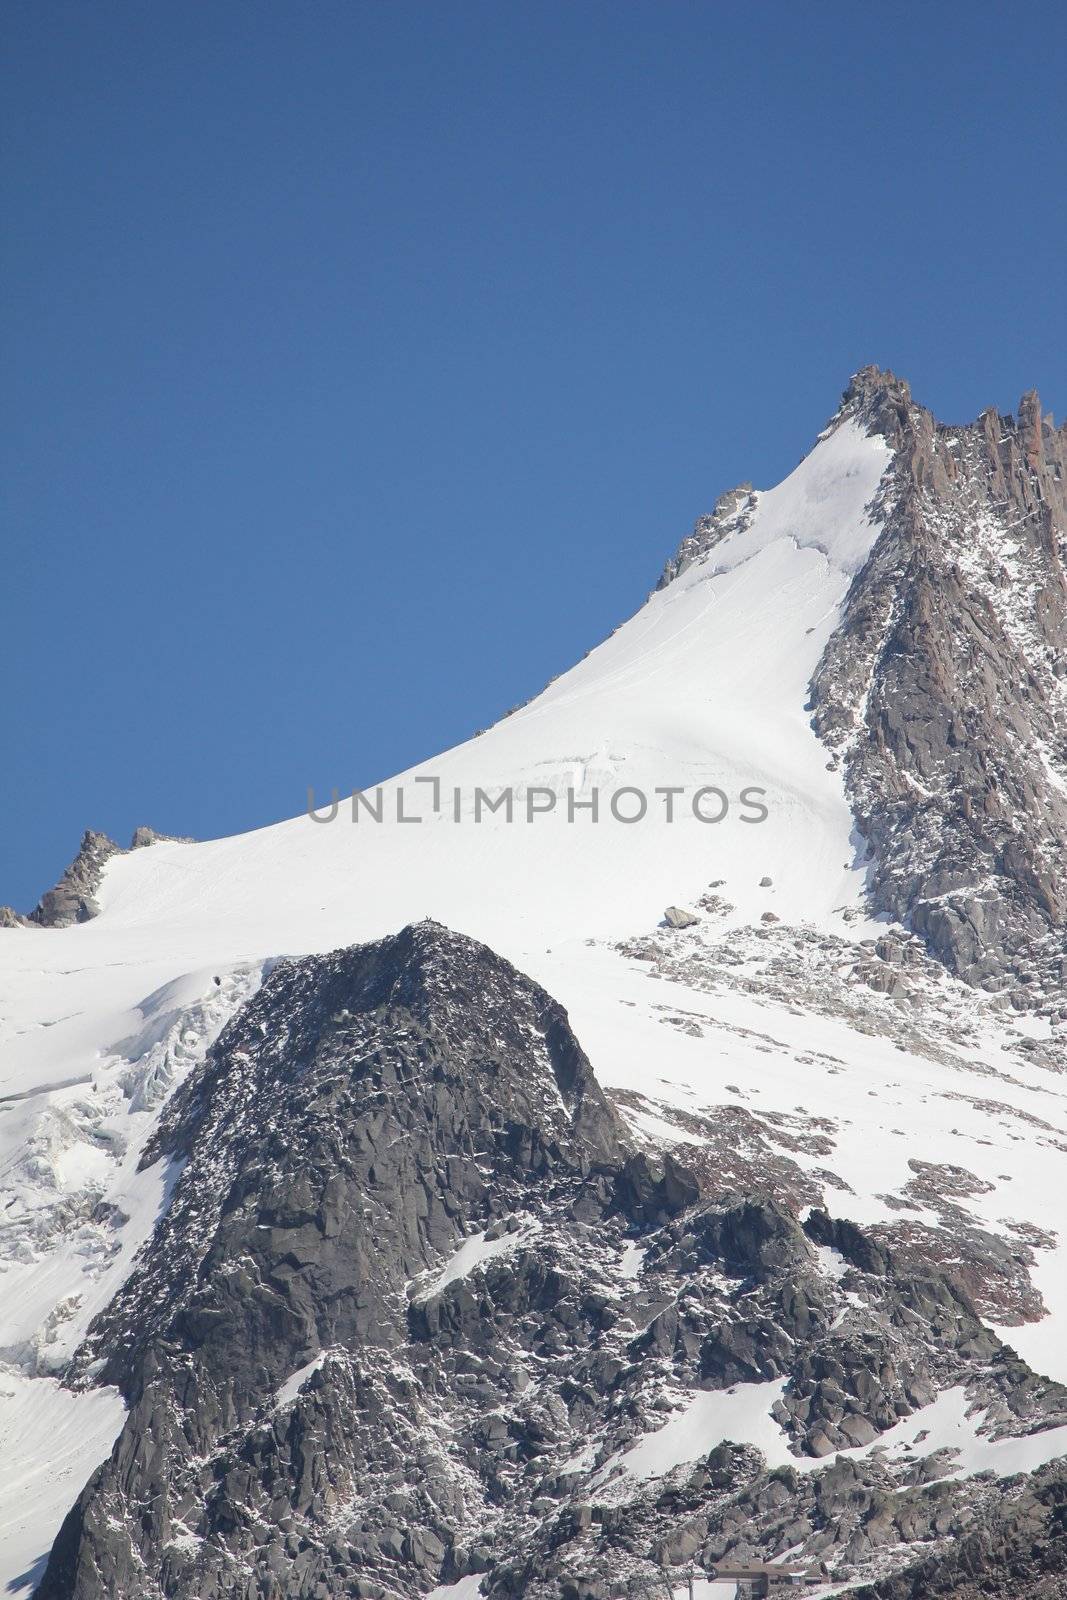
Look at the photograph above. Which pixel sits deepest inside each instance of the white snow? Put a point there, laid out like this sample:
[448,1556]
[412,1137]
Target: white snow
[474,1252]
[887,1105]
[1043,1345]
[50,1443]
[743,1414]
[292,1386]
[832,1262]
[821,506]
[708,1418]
[946,1425]
[464,1589]
[633,1257]
[63,1150]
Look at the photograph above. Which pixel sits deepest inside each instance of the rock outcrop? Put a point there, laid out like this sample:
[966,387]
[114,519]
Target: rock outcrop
[1016,1552]
[73,899]
[678,917]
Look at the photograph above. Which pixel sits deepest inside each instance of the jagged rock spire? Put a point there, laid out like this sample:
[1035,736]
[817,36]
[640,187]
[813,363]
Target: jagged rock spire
[879,400]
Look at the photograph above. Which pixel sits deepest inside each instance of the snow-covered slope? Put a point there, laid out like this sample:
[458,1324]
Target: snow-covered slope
[705,685]
[764,1005]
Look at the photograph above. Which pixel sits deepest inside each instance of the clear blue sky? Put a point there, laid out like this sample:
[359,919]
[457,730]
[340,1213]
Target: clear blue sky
[364,361]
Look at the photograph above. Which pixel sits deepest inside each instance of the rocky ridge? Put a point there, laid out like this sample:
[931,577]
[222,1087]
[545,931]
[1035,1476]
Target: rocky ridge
[73,898]
[943,693]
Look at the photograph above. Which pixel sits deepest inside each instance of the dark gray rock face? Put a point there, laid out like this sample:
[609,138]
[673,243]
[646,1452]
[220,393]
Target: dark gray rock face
[1020,1553]
[944,692]
[356,1109]
[362,1115]
[416,1296]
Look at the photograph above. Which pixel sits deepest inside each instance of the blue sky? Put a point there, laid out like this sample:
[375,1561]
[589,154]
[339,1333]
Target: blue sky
[364,362]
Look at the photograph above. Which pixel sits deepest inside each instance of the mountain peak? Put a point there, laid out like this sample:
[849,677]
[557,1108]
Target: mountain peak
[398,1281]
[878,399]
[876,383]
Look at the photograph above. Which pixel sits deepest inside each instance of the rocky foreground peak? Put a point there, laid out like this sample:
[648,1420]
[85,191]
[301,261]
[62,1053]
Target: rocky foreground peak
[417,1312]
[429,1054]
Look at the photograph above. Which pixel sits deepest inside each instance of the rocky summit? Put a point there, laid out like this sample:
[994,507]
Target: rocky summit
[572,1206]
